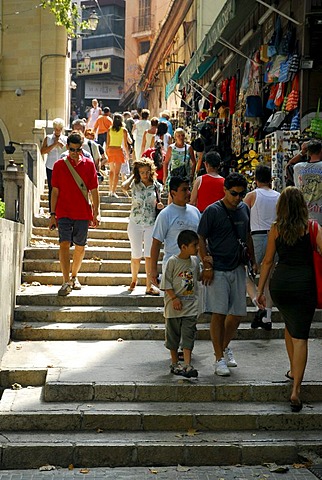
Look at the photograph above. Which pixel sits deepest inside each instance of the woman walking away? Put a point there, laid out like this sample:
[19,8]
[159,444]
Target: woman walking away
[138,132]
[146,195]
[149,135]
[292,285]
[179,160]
[116,142]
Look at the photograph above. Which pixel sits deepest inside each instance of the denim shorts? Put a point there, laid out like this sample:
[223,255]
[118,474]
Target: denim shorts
[73,231]
[260,243]
[226,295]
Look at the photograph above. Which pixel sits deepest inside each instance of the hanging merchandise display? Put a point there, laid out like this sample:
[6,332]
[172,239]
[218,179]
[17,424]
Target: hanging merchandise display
[316,123]
[294,96]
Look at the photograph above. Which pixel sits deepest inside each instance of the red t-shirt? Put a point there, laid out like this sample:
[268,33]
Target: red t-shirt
[149,153]
[71,202]
[210,190]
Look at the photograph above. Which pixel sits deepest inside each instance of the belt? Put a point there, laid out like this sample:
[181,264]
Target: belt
[260,232]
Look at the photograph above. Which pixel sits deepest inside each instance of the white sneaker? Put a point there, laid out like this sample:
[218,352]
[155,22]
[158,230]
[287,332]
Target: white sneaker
[229,357]
[221,368]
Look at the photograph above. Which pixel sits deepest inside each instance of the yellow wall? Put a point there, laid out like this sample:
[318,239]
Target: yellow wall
[25,38]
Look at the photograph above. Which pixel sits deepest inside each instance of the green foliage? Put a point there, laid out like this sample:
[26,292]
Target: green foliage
[2,208]
[66,14]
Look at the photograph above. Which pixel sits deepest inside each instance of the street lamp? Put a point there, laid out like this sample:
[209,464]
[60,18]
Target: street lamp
[93,21]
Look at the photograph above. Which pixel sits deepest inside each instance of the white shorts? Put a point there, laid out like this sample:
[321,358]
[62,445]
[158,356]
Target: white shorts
[140,238]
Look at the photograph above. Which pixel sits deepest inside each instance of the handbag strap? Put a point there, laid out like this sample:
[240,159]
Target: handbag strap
[231,221]
[317,115]
[78,179]
[157,193]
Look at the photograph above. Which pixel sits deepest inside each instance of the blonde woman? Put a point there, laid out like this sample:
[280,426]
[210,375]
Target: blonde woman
[116,142]
[179,160]
[146,195]
[292,286]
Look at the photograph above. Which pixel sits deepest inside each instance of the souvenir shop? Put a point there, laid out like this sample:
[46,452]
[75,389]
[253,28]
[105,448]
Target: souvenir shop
[253,94]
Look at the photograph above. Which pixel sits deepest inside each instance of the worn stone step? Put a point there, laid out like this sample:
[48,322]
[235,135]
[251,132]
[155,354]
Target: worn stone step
[113,329]
[139,371]
[107,223]
[23,450]
[99,279]
[89,265]
[44,241]
[93,233]
[90,296]
[103,206]
[25,410]
[98,253]
[108,313]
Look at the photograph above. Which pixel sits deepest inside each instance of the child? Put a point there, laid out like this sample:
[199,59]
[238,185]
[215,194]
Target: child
[179,281]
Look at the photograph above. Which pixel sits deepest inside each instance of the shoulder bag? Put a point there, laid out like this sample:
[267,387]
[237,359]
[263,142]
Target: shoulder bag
[78,179]
[317,261]
[158,200]
[244,254]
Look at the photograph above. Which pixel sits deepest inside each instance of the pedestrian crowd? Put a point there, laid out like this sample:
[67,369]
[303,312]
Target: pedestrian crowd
[216,235]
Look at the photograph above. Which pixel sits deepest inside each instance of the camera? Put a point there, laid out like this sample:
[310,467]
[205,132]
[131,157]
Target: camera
[19,92]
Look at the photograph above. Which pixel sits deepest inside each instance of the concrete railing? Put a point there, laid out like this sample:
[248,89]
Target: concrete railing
[23,186]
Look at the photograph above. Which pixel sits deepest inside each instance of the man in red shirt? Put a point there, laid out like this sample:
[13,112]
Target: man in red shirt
[102,126]
[71,212]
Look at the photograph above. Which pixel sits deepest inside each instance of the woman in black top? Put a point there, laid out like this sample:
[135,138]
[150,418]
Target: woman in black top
[292,285]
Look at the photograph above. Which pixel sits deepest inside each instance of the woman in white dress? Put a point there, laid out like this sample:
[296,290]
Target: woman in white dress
[138,132]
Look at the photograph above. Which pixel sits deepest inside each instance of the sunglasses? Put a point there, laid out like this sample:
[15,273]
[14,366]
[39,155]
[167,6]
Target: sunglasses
[238,194]
[71,149]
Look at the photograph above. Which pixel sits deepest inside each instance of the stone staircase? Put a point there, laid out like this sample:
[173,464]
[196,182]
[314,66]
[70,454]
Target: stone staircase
[96,388]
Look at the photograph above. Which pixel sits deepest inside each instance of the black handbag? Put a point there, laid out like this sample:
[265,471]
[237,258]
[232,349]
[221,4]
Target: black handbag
[158,198]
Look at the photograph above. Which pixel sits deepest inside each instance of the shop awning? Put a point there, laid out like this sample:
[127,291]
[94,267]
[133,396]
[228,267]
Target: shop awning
[226,14]
[170,87]
[203,68]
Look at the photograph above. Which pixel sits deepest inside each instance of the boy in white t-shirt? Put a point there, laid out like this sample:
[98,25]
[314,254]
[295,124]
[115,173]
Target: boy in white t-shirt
[180,281]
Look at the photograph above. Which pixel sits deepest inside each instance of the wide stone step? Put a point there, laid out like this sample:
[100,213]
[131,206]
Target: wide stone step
[96,265]
[91,253]
[23,450]
[109,314]
[44,295]
[112,329]
[52,241]
[25,410]
[109,223]
[119,207]
[99,279]
[93,233]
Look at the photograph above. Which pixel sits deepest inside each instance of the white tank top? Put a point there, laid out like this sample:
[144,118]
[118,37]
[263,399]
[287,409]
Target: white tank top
[263,212]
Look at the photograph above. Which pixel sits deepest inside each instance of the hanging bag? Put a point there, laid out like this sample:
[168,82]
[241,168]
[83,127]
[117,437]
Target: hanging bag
[294,96]
[316,122]
[317,261]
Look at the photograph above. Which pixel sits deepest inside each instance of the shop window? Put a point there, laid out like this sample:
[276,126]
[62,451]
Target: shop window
[144,47]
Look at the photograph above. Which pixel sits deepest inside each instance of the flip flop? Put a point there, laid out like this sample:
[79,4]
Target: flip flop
[153,291]
[132,286]
[287,375]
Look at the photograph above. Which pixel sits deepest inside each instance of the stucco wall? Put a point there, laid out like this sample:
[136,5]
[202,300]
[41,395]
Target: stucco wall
[11,251]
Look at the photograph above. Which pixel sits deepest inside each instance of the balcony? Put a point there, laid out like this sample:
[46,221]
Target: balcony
[143,26]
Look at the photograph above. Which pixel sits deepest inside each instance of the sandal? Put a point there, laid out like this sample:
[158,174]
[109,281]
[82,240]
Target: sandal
[132,286]
[153,291]
[287,375]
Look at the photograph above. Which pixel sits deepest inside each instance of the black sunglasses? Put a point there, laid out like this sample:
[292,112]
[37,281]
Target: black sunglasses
[238,194]
[71,149]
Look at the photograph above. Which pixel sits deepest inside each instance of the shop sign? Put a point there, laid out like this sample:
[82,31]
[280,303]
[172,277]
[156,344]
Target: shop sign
[96,67]
[104,90]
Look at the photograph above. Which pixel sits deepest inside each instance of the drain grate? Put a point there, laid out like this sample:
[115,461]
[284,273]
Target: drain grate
[316,470]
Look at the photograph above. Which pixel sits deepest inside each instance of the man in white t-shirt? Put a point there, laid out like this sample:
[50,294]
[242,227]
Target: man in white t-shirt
[172,220]
[262,203]
[308,178]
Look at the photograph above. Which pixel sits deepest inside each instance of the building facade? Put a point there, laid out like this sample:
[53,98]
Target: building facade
[104,77]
